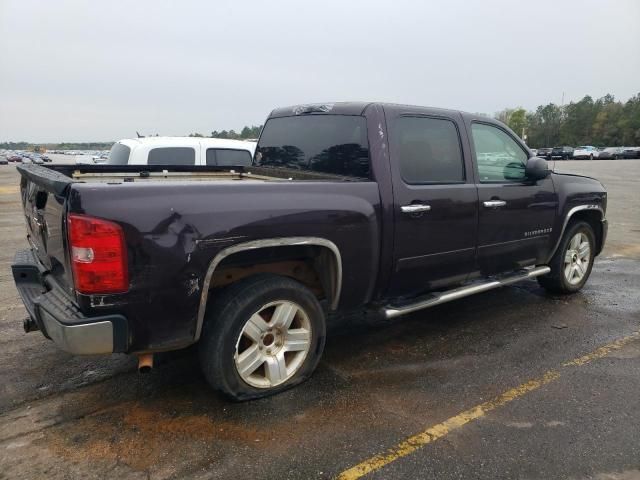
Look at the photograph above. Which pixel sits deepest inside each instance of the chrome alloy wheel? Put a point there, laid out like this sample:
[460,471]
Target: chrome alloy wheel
[577,258]
[273,344]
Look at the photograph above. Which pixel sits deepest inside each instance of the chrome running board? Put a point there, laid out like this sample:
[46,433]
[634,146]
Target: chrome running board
[393,311]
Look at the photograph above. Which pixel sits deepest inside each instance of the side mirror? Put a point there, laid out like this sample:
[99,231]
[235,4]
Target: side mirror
[537,168]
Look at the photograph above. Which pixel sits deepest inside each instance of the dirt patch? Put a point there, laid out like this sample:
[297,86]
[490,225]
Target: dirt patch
[143,436]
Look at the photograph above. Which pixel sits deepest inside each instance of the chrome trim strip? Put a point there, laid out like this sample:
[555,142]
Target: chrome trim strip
[566,222]
[455,294]
[494,203]
[266,243]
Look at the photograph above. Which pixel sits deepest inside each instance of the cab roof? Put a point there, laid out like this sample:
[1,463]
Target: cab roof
[358,108]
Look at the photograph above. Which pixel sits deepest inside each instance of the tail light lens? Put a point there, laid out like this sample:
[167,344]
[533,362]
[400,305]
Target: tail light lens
[98,255]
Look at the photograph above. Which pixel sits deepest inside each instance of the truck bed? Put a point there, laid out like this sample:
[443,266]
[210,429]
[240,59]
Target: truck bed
[58,177]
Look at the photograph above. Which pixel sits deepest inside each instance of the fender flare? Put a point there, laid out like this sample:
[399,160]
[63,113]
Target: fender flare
[570,213]
[268,243]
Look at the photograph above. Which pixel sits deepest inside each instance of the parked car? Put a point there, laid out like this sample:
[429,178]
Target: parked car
[610,153]
[565,153]
[4,161]
[14,158]
[26,160]
[37,160]
[348,207]
[631,152]
[46,158]
[586,152]
[544,152]
[181,151]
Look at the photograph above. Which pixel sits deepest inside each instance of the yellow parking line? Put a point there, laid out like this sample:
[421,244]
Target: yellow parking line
[602,351]
[435,432]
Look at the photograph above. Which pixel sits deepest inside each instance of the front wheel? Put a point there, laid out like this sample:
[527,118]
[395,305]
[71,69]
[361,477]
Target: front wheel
[261,335]
[572,263]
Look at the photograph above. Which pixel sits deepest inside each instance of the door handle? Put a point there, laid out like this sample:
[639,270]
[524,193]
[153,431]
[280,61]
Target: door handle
[494,203]
[415,208]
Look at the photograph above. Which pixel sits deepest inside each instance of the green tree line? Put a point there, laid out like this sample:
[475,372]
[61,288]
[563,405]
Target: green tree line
[605,122]
[245,133]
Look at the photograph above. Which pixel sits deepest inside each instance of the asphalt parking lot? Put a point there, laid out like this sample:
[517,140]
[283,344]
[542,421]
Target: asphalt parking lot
[512,383]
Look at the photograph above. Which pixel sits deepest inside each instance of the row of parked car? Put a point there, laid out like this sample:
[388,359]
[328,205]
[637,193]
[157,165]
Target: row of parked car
[587,152]
[7,157]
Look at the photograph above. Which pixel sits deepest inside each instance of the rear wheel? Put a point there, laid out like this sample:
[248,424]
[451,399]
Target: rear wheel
[261,336]
[572,263]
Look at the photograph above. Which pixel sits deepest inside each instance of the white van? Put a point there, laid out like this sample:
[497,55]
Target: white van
[181,151]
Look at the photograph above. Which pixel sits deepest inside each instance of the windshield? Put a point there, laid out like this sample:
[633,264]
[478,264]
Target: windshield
[335,144]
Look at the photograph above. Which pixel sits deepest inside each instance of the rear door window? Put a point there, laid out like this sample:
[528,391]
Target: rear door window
[429,150]
[228,157]
[172,156]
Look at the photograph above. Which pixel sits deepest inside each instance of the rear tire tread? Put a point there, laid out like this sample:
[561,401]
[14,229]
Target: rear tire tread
[224,319]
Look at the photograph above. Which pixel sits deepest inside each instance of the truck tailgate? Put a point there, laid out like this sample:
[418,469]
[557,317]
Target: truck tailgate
[43,192]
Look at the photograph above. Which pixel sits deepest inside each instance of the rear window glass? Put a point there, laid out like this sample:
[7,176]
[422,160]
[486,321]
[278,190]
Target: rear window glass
[335,144]
[172,156]
[228,157]
[119,154]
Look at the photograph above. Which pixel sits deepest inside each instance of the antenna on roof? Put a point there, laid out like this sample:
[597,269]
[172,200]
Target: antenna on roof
[139,136]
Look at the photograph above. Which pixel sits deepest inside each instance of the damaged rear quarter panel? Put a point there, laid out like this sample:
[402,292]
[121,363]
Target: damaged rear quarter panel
[173,231]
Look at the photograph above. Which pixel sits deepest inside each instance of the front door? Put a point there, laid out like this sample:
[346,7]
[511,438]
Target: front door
[435,203]
[516,214]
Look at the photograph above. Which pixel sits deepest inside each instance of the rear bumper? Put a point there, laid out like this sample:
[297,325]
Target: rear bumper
[57,316]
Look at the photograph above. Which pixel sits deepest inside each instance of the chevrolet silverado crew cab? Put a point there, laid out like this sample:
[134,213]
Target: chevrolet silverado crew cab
[346,207]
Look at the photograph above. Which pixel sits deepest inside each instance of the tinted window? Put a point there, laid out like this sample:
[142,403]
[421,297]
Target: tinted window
[119,154]
[172,156]
[228,157]
[334,144]
[428,150]
[499,156]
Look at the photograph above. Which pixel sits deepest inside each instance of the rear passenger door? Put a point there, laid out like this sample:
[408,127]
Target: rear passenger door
[435,202]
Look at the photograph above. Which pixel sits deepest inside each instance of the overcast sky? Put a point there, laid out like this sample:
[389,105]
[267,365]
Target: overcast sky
[88,70]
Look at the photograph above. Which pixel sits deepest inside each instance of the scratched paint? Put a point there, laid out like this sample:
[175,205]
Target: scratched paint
[431,434]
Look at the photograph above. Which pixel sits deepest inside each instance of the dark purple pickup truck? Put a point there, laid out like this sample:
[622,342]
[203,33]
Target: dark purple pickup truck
[347,207]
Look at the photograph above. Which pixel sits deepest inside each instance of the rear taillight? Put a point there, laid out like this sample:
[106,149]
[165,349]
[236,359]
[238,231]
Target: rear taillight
[98,255]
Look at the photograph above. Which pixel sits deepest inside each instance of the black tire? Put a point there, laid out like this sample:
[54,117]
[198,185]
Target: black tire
[226,317]
[556,281]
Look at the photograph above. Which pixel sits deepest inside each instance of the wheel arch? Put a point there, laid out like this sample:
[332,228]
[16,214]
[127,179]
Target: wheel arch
[332,268]
[593,215]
